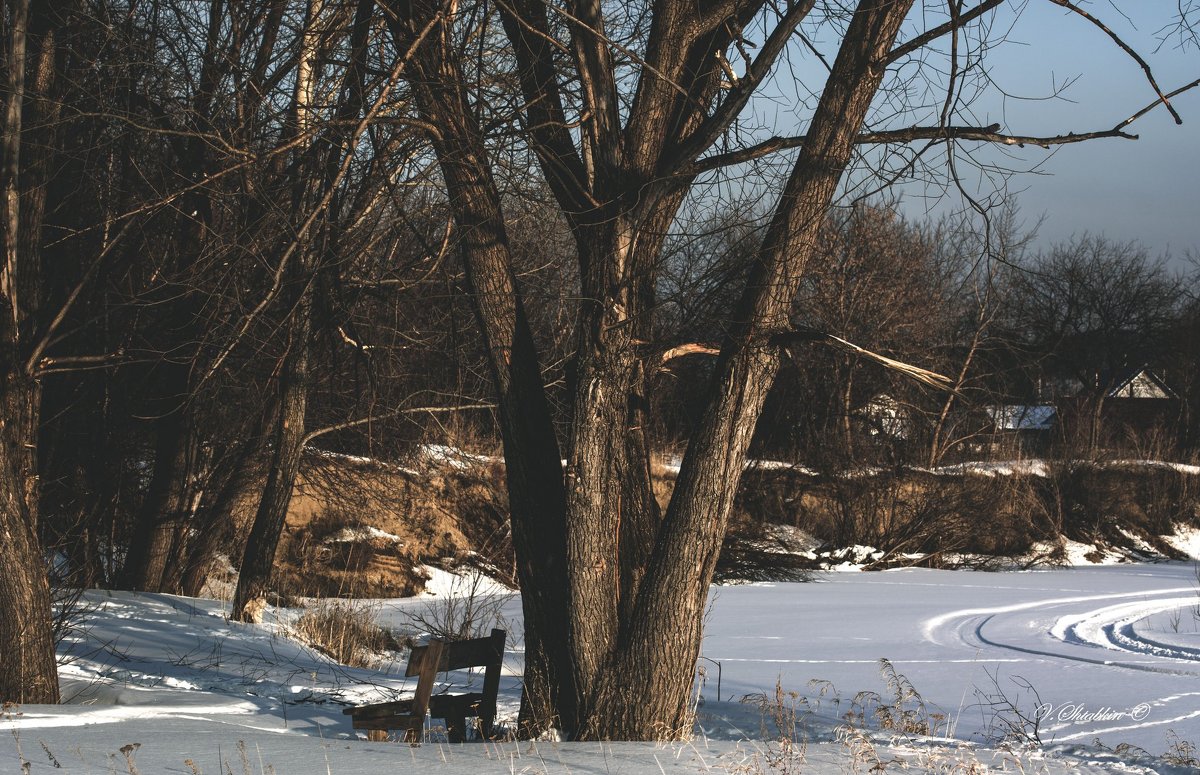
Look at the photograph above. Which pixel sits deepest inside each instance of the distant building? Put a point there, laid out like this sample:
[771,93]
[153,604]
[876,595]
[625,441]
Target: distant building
[1131,407]
[885,416]
[1021,428]
[1142,383]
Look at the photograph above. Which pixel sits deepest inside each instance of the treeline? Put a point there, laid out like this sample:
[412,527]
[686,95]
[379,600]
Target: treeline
[234,230]
[242,248]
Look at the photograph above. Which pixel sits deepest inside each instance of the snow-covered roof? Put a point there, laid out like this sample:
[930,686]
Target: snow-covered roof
[1018,417]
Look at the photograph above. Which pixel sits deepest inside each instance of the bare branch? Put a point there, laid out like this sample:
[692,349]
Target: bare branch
[344,168]
[983,134]
[388,415]
[32,364]
[78,363]
[727,112]
[1156,103]
[1127,49]
[925,38]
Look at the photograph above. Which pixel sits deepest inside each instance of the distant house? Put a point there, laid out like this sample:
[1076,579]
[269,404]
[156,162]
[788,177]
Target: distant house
[1142,383]
[1134,405]
[886,417]
[1021,428]
[1018,417]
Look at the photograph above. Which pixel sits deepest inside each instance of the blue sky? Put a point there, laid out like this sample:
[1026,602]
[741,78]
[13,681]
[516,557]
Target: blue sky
[1146,190]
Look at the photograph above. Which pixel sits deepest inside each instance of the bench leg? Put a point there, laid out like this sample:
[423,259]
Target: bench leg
[456,728]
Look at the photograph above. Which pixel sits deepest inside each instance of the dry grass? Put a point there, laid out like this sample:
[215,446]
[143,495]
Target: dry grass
[949,520]
[1180,752]
[346,632]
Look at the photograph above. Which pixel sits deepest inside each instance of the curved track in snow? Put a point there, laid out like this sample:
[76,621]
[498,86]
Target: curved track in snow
[1056,626]
[1108,630]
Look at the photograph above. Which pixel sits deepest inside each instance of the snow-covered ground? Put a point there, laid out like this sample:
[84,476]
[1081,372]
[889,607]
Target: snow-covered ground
[1107,653]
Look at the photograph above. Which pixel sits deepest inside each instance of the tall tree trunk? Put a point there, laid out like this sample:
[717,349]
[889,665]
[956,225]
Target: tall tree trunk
[317,175]
[28,671]
[534,473]
[153,562]
[164,508]
[259,558]
[629,658]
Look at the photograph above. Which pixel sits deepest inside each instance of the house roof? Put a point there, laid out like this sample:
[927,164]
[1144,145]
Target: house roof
[1018,417]
[1141,383]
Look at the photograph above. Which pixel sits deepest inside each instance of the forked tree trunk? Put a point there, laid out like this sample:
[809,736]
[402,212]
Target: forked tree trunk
[258,560]
[644,688]
[313,188]
[533,471]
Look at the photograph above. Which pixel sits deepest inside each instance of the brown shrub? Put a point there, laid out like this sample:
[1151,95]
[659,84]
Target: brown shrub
[347,633]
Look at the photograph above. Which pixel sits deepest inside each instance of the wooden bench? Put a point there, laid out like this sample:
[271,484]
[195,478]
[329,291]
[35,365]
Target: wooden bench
[426,662]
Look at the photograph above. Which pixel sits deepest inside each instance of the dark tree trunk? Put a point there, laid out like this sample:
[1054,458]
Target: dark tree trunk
[628,668]
[259,558]
[533,469]
[154,561]
[28,670]
[235,478]
[317,175]
[627,606]
[164,508]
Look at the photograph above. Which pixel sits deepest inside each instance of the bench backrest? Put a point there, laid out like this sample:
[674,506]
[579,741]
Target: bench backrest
[458,654]
[440,656]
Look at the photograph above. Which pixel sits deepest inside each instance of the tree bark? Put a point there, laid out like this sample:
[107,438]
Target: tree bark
[254,573]
[164,507]
[158,542]
[259,558]
[624,613]
[28,670]
[534,475]
[235,478]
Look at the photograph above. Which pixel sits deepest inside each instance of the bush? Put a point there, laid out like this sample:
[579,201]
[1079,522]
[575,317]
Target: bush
[346,632]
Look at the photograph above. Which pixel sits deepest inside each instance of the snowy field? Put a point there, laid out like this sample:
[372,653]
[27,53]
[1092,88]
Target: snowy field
[1088,660]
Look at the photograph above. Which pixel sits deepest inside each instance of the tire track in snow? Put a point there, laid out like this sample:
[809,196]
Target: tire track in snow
[1114,627]
[1111,627]
[931,626]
